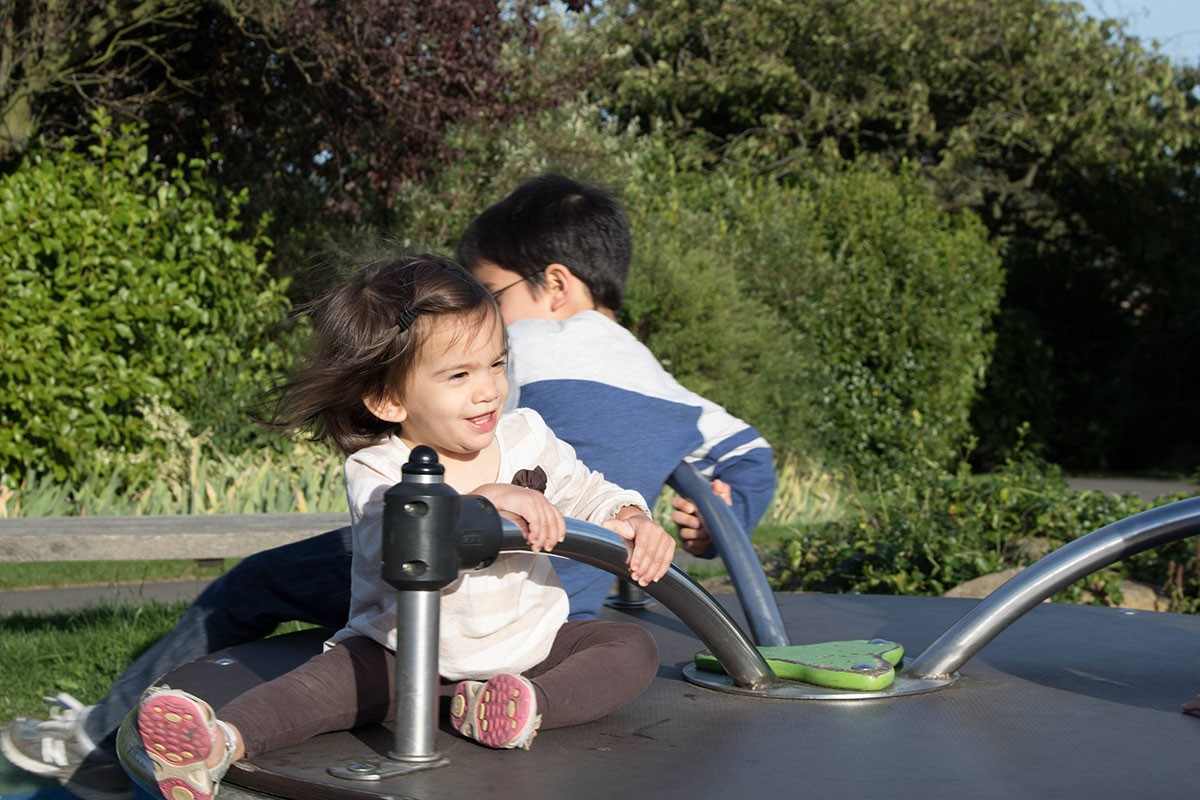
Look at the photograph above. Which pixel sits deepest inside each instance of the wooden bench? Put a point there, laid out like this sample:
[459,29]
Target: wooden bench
[141,538]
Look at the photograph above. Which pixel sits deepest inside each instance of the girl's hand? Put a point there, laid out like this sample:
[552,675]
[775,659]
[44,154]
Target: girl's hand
[541,523]
[651,548]
[693,535]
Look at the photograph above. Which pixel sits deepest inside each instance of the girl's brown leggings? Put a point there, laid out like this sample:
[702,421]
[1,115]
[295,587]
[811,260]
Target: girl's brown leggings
[593,669]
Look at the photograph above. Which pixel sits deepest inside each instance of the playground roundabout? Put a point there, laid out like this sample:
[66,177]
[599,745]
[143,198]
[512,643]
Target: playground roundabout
[1008,697]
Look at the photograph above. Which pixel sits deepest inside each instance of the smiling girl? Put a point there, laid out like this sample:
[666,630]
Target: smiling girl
[412,352]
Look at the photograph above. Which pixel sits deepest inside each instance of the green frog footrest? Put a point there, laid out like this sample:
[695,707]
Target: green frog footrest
[860,665]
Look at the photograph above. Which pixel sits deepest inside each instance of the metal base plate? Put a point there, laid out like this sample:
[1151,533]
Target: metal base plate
[380,769]
[795,690]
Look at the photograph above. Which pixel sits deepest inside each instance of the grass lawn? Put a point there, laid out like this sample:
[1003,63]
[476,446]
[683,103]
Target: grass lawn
[53,574]
[78,652]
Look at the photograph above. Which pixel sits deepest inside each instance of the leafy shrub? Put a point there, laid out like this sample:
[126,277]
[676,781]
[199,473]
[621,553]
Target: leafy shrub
[182,472]
[925,537]
[687,302]
[124,281]
[895,298]
[848,318]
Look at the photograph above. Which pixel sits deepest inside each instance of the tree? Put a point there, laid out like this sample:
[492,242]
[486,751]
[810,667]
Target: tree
[325,110]
[1066,137]
[50,50]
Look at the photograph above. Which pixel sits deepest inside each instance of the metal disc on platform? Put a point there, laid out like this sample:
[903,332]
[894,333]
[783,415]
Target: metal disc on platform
[797,690]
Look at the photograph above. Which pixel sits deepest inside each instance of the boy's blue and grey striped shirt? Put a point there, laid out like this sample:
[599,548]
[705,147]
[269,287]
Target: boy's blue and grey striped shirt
[604,392]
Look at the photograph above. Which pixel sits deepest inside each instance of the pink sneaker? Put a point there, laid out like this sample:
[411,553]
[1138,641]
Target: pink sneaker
[178,731]
[501,713]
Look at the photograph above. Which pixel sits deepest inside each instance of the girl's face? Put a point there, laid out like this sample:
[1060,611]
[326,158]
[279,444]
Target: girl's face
[456,389]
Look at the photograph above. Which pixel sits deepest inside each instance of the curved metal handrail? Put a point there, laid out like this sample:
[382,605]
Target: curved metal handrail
[1069,563]
[696,608]
[749,580]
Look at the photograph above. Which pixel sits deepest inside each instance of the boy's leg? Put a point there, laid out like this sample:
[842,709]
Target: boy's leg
[307,581]
[593,669]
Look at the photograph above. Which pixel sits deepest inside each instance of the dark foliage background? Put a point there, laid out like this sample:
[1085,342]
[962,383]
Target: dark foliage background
[1067,146]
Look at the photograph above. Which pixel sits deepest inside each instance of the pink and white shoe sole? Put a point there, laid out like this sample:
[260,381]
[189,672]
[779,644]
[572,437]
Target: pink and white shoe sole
[501,713]
[177,731]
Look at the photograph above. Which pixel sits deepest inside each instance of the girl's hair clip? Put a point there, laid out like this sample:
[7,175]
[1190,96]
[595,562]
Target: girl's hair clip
[406,318]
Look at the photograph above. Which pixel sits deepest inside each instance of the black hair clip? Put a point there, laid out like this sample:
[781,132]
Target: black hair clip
[405,320]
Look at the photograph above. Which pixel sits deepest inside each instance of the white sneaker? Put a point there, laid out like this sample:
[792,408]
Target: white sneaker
[51,746]
[60,748]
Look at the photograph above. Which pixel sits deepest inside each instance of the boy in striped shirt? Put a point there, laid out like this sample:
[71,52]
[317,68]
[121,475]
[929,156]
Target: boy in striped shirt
[555,253]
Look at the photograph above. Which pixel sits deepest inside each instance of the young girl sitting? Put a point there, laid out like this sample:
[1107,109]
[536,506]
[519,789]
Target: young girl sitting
[410,352]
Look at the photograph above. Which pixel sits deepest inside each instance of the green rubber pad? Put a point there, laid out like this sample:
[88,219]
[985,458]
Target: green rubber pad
[859,665]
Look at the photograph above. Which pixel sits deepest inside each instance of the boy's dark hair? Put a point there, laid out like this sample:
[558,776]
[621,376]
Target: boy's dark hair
[367,332]
[552,219]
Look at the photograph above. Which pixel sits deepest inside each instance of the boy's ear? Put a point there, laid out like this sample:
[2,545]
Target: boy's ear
[386,408]
[567,294]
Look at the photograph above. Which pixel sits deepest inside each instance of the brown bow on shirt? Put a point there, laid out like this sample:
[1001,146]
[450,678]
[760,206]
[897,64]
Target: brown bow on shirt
[531,479]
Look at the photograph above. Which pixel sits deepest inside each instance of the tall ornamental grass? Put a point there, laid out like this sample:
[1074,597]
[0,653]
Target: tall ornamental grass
[191,476]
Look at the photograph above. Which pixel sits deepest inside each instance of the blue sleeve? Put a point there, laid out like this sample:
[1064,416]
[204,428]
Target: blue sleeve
[752,478]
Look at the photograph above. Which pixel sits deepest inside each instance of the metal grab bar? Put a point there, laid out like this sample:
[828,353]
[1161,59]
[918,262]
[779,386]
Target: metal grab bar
[1069,563]
[696,608]
[749,580]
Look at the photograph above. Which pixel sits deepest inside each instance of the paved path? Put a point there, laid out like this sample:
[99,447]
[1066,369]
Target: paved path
[1146,488]
[75,597]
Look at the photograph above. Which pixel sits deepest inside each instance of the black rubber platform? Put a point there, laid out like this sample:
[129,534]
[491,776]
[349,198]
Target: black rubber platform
[1068,702]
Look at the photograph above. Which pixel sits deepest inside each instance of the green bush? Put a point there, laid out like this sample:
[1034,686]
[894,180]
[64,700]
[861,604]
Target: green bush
[848,318]
[926,537]
[895,298]
[124,281]
[686,301]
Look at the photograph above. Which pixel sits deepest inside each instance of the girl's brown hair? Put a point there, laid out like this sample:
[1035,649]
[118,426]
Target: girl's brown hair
[366,336]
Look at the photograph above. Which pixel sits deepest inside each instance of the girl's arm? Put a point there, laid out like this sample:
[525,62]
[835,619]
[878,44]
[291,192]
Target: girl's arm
[577,491]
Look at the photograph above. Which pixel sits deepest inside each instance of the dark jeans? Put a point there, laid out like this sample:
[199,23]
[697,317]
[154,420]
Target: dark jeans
[308,581]
[587,587]
[593,669]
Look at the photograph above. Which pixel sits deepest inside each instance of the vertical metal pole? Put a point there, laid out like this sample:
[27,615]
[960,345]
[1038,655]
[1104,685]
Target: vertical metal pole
[629,596]
[415,723]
